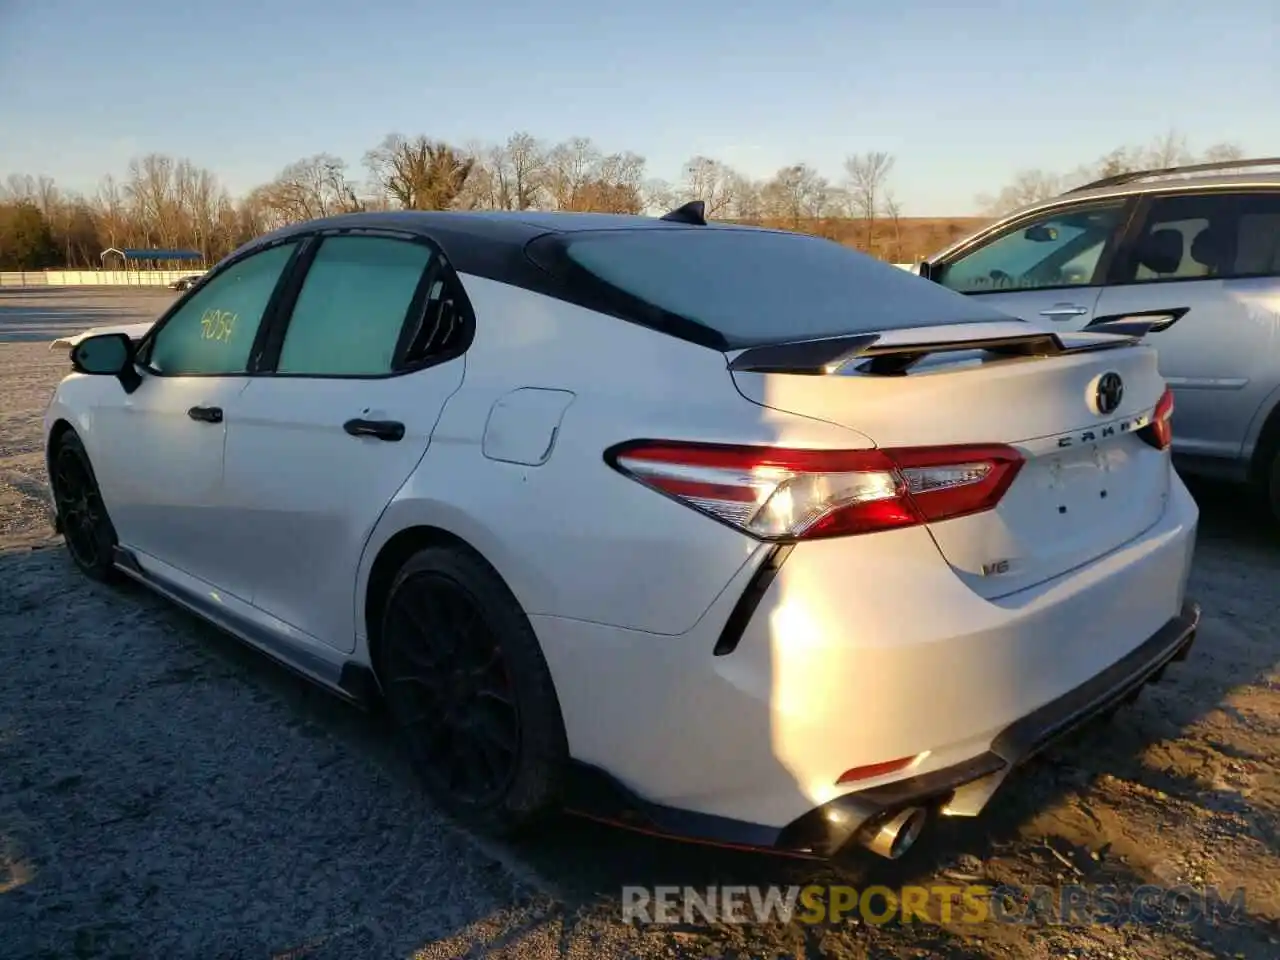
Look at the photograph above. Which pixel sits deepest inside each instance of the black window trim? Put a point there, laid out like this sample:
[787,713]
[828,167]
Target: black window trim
[142,353]
[1236,194]
[1128,206]
[575,284]
[438,266]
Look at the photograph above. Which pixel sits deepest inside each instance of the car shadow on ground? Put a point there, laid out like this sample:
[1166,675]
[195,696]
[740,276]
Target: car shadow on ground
[587,865]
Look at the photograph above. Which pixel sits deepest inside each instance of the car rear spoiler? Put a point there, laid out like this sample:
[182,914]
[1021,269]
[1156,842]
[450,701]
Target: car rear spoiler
[893,352]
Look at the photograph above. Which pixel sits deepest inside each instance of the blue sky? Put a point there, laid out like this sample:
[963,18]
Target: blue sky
[963,94]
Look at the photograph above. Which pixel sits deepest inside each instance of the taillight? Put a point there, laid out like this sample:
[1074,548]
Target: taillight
[789,494]
[1159,432]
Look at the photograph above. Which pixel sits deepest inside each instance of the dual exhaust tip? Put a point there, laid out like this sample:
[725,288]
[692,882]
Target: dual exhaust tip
[894,836]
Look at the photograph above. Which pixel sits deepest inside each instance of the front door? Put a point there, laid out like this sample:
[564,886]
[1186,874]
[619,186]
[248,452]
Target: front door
[163,444]
[316,451]
[1046,269]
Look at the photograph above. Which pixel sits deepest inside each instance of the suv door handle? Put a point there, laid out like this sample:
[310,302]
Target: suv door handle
[206,414]
[390,430]
[1064,311]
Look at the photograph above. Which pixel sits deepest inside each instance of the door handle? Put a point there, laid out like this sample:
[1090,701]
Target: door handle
[206,414]
[391,430]
[1064,311]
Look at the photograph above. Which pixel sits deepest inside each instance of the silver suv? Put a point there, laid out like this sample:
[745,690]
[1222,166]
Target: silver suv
[1194,250]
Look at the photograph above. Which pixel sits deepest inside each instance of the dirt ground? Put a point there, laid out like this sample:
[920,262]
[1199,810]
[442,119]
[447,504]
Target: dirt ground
[165,792]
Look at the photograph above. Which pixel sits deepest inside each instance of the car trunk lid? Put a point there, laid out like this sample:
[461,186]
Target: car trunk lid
[1090,482]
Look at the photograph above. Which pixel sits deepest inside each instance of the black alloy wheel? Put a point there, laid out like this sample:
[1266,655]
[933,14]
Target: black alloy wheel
[469,692]
[86,527]
[450,691]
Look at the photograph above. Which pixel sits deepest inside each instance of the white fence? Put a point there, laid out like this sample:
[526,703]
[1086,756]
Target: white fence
[93,278]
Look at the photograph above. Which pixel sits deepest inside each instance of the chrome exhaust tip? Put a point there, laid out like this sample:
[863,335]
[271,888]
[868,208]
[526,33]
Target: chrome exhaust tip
[896,835]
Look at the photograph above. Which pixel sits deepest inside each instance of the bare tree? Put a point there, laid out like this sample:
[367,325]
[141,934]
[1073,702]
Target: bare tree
[616,184]
[711,182]
[747,204]
[521,170]
[20,187]
[312,187]
[1167,150]
[164,201]
[152,194]
[1029,186]
[1221,152]
[112,214]
[795,193]
[568,171]
[419,173]
[866,177]
[893,210]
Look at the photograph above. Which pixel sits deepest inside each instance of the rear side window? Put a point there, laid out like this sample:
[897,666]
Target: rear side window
[1206,236]
[352,307]
[757,286]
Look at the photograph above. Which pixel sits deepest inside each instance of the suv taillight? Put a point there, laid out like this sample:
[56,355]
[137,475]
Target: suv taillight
[791,494]
[1159,432]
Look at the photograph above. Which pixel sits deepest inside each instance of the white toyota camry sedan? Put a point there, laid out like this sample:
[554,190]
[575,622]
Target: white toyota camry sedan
[715,532]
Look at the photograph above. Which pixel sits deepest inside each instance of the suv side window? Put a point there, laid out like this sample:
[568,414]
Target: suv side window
[213,332]
[1060,249]
[1205,236]
[352,308]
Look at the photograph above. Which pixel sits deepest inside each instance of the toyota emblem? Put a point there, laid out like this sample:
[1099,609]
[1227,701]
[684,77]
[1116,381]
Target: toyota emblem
[1109,393]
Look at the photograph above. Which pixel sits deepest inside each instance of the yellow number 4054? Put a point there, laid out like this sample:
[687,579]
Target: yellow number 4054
[218,325]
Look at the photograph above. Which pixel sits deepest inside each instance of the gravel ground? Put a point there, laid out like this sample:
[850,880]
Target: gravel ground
[165,792]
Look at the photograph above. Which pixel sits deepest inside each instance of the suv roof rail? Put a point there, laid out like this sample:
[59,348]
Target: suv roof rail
[1122,178]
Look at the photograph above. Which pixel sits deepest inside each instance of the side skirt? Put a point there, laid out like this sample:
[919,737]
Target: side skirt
[352,682]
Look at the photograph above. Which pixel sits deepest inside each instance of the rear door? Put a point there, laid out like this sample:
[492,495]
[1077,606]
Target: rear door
[363,365]
[1045,268]
[1209,262]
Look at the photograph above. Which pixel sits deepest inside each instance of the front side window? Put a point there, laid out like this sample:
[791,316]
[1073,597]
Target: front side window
[1206,236]
[213,332]
[1062,249]
[352,307]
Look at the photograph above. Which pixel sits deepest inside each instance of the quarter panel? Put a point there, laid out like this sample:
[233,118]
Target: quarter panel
[572,537]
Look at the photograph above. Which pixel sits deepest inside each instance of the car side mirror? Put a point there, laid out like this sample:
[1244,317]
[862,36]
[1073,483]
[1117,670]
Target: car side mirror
[108,354]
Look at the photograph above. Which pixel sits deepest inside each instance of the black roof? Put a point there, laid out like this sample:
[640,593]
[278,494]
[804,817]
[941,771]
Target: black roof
[515,226]
[489,243]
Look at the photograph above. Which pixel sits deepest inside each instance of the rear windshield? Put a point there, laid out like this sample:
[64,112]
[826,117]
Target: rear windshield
[757,286]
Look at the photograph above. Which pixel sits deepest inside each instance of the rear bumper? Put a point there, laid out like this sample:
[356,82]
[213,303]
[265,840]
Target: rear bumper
[961,789]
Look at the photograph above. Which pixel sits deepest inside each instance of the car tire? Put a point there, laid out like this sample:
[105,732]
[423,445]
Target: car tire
[87,529]
[470,693]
